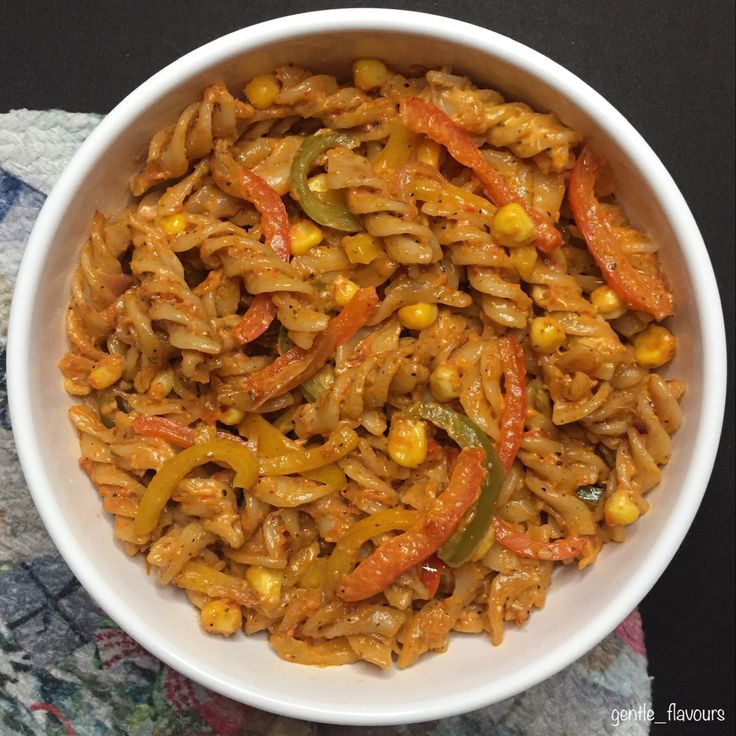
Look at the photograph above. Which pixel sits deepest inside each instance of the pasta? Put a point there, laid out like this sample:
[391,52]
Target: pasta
[362,363]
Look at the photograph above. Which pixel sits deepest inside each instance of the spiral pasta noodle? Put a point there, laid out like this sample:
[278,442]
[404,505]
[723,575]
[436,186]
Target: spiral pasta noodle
[358,368]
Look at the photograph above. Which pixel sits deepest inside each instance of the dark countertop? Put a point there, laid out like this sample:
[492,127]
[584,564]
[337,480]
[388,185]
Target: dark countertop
[667,66]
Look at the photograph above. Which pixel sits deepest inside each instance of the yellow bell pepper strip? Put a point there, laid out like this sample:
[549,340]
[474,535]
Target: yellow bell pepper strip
[422,539]
[345,553]
[514,398]
[159,490]
[278,455]
[521,544]
[235,179]
[466,433]
[331,475]
[204,579]
[293,367]
[424,117]
[325,213]
[397,151]
[325,653]
[644,291]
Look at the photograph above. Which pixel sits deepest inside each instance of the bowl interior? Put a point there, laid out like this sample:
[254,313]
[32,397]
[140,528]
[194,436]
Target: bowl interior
[581,607]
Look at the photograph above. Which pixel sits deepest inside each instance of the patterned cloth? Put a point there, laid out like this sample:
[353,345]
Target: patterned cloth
[65,668]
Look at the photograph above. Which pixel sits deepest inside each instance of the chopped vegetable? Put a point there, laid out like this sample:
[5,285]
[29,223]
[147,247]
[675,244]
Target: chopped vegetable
[159,490]
[402,552]
[514,407]
[407,442]
[620,509]
[325,213]
[262,90]
[644,291]
[546,334]
[278,455]
[561,550]
[256,319]
[298,364]
[423,117]
[418,316]
[591,494]
[467,434]
[235,179]
[345,553]
[430,574]
[221,616]
[653,347]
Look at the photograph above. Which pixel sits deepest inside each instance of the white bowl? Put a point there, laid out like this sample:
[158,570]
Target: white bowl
[581,608]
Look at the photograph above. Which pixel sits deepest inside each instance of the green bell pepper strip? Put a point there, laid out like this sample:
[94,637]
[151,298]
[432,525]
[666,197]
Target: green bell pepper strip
[325,213]
[466,433]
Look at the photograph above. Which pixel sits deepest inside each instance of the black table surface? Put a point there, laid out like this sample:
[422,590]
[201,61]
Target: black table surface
[668,66]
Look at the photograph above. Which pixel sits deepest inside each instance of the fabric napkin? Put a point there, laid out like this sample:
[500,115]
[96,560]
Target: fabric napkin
[66,668]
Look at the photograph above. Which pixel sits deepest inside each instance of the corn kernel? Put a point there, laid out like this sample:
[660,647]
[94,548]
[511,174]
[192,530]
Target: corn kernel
[370,74]
[428,152]
[620,509]
[108,371]
[314,576]
[262,90]
[524,258]
[654,347]
[318,183]
[173,224]
[418,316]
[407,442]
[266,582]
[361,248]
[511,225]
[444,383]
[221,616]
[162,384]
[546,334]
[304,236]
[344,290]
[231,416]
[607,302]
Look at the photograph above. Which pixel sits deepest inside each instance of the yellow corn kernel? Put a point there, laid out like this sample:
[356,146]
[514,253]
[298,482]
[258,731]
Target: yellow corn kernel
[512,226]
[344,290]
[607,302]
[418,316]
[407,442]
[262,90]
[266,582]
[108,371]
[546,334]
[654,347]
[162,384]
[231,416]
[428,152]
[221,616]
[361,248]
[444,383]
[524,258]
[173,224]
[318,183]
[620,509]
[304,236]
[370,74]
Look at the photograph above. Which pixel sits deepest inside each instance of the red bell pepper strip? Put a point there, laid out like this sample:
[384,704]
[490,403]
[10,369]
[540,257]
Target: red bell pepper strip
[402,552]
[644,291]
[430,574]
[561,550]
[514,407]
[423,117]
[256,320]
[296,365]
[174,432]
[235,179]
[166,429]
